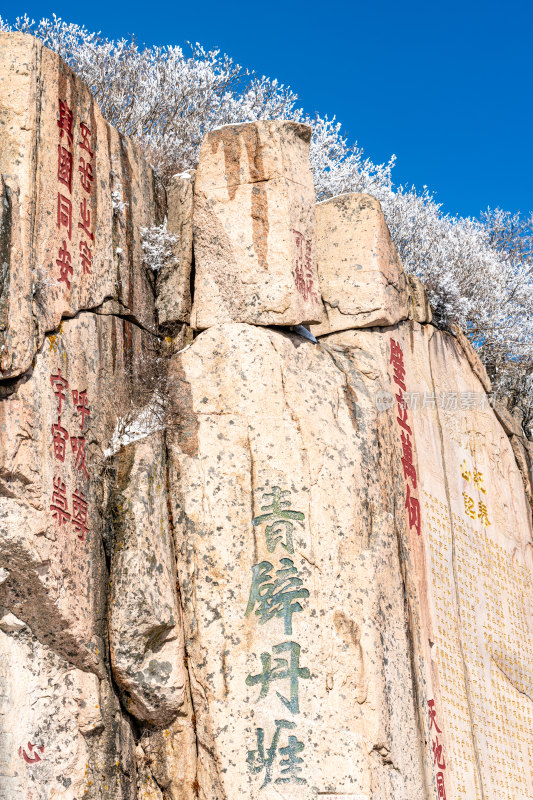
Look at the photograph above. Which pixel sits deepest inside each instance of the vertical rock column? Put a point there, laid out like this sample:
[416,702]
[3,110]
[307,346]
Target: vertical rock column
[361,278]
[55,426]
[145,628]
[254,227]
[74,196]
[288,565]
[76,320]
[466,547]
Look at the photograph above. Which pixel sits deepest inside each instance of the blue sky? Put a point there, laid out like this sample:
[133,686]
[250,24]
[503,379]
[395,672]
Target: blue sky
[447,87]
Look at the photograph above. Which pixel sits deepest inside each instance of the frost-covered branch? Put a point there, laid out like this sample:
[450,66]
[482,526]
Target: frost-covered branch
[478,272]
[159,247]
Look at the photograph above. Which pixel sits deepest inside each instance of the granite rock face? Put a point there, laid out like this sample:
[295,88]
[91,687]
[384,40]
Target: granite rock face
[173,296]
[74,195]
[75,349]
[423,547]
[420,308]
[56,426]
[300,672]
[254,227]
[469,566]
[361,278]
[242,562]
[62,733]
[145,630]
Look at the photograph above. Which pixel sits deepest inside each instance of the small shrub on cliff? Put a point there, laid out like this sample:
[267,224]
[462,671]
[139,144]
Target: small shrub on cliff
[159,247]
[478,272]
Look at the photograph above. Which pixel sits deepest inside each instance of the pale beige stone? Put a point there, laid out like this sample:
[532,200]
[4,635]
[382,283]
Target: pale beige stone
[420,308]
[520,450]
[61,735]
[168,758]
[361,278]
[145,630]
[261,410]
[173,297]
[510,424]
[147,788]
[254,227]
[470,572]
[57,572]
[472,358]
[34,86]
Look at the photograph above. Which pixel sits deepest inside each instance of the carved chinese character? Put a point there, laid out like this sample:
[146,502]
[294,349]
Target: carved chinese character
[279,514]
[64,166]
[64,122]
[465,474]
[298,266]
[59,504]
[276,597]
[86,257]
[290,763]
[469,506]
[440,786]
[64,213]
[396,359]
[59,385]
[302,267]
[259,760]
[282,670]
[413,507]
[64,262]
[402,414]
[437,754]
[59,438]
[30,753]
[483,514]
[299,278]
[86,174]
[433,716]
[78,446]
[407,459]
[478,480]
[85,143]
[79,513]
[85,214]
[82,405]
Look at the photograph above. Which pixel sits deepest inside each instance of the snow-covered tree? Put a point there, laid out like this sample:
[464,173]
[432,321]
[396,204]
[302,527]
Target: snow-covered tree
[478,272]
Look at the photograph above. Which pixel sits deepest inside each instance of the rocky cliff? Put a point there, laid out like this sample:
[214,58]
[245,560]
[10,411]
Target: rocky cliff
[263,533]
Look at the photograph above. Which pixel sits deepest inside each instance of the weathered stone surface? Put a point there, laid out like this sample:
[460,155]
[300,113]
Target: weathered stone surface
[61,735]
[262,413]
[520,450]
[361,278]
[62,167]
[167,759]
[509,423]
[470,571]
[254,227]
[55,426]
[173,299]
[145,630]
[322,569]
[419,308]
[472,358]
